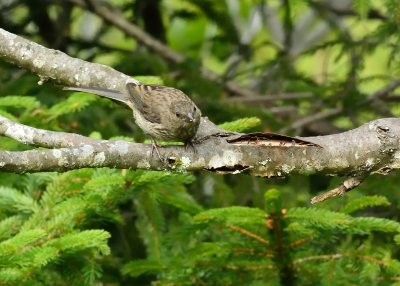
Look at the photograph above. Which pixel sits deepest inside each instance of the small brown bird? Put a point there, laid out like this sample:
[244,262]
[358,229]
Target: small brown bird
[163,113]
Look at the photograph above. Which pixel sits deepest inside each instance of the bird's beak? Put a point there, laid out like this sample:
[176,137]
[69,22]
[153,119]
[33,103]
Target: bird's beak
[190,116]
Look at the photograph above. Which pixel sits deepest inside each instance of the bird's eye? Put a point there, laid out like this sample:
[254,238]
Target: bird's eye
[194,108]
[177,115]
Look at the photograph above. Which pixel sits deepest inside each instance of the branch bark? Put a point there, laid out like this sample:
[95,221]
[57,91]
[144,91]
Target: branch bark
[372,147]
[57,66]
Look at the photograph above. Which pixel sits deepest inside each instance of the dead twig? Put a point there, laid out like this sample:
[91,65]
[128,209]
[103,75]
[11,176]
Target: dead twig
[342,189]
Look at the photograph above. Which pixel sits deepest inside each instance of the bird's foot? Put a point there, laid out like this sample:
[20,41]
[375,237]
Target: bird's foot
[154,147]
[188,144]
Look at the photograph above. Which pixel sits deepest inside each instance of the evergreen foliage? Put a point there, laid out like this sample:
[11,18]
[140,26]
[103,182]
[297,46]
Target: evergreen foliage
[276,244]
[241,125]
[124,227]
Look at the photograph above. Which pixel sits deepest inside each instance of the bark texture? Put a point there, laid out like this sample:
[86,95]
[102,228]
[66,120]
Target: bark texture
[373,147]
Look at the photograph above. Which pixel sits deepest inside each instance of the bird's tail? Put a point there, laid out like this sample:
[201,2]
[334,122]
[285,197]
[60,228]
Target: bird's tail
[109,93]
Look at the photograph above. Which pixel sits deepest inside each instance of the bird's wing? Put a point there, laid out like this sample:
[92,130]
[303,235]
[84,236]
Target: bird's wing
[109,93]
[148,100]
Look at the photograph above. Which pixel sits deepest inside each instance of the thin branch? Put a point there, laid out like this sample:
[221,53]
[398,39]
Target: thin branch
[280,110]
[288,25]
[339,256]
[372,13]
[269,98]
[313,118]
[393,98]
[341,190]
[383,92]
[115,17]
[249,234]
[377,95]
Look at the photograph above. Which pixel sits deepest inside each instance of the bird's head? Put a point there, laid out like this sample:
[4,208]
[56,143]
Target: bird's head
[187,112]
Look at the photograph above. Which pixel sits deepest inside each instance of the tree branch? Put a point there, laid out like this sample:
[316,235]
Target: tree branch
[57,66]
[116,18]
[377,95]
[341,190]
[42,138]
[373,147]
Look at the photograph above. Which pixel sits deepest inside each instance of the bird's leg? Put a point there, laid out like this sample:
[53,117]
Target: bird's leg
[190,143]
[154,146]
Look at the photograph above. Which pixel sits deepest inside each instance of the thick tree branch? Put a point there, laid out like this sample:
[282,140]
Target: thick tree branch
[373,147]
[57,66]
[41,138]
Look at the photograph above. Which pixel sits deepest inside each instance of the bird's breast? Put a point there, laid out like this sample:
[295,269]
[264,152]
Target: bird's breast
[167,130]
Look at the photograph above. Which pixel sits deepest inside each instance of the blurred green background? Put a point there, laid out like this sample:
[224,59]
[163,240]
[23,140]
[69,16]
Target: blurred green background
[298,60]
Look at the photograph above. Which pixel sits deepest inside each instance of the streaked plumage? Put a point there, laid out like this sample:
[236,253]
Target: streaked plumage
[163,113]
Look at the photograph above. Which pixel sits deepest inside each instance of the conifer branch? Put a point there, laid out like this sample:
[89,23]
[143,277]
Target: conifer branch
[339,256]
[248,234]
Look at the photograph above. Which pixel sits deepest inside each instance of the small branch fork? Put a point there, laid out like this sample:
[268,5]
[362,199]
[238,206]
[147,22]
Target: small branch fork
[341,190]
[380,94]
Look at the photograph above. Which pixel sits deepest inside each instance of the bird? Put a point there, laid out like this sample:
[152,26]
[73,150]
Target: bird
[163,113]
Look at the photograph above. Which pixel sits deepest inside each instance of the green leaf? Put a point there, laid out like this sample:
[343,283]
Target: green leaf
[365,202]
[241,125]
[8,115]
[272,200]
[149,79]
[43,255]
[11,274]
[180,200]
[101,182]
[9,226]
[369,224]
[19,241]
[167,178]
[209,251]
[232,215]
[27,102]
[95,135]
[125,138]
[14,199]
[318,217]
[139,267]
[151,222]
[362,7]
[76,102]
[83,240]
[92,271]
